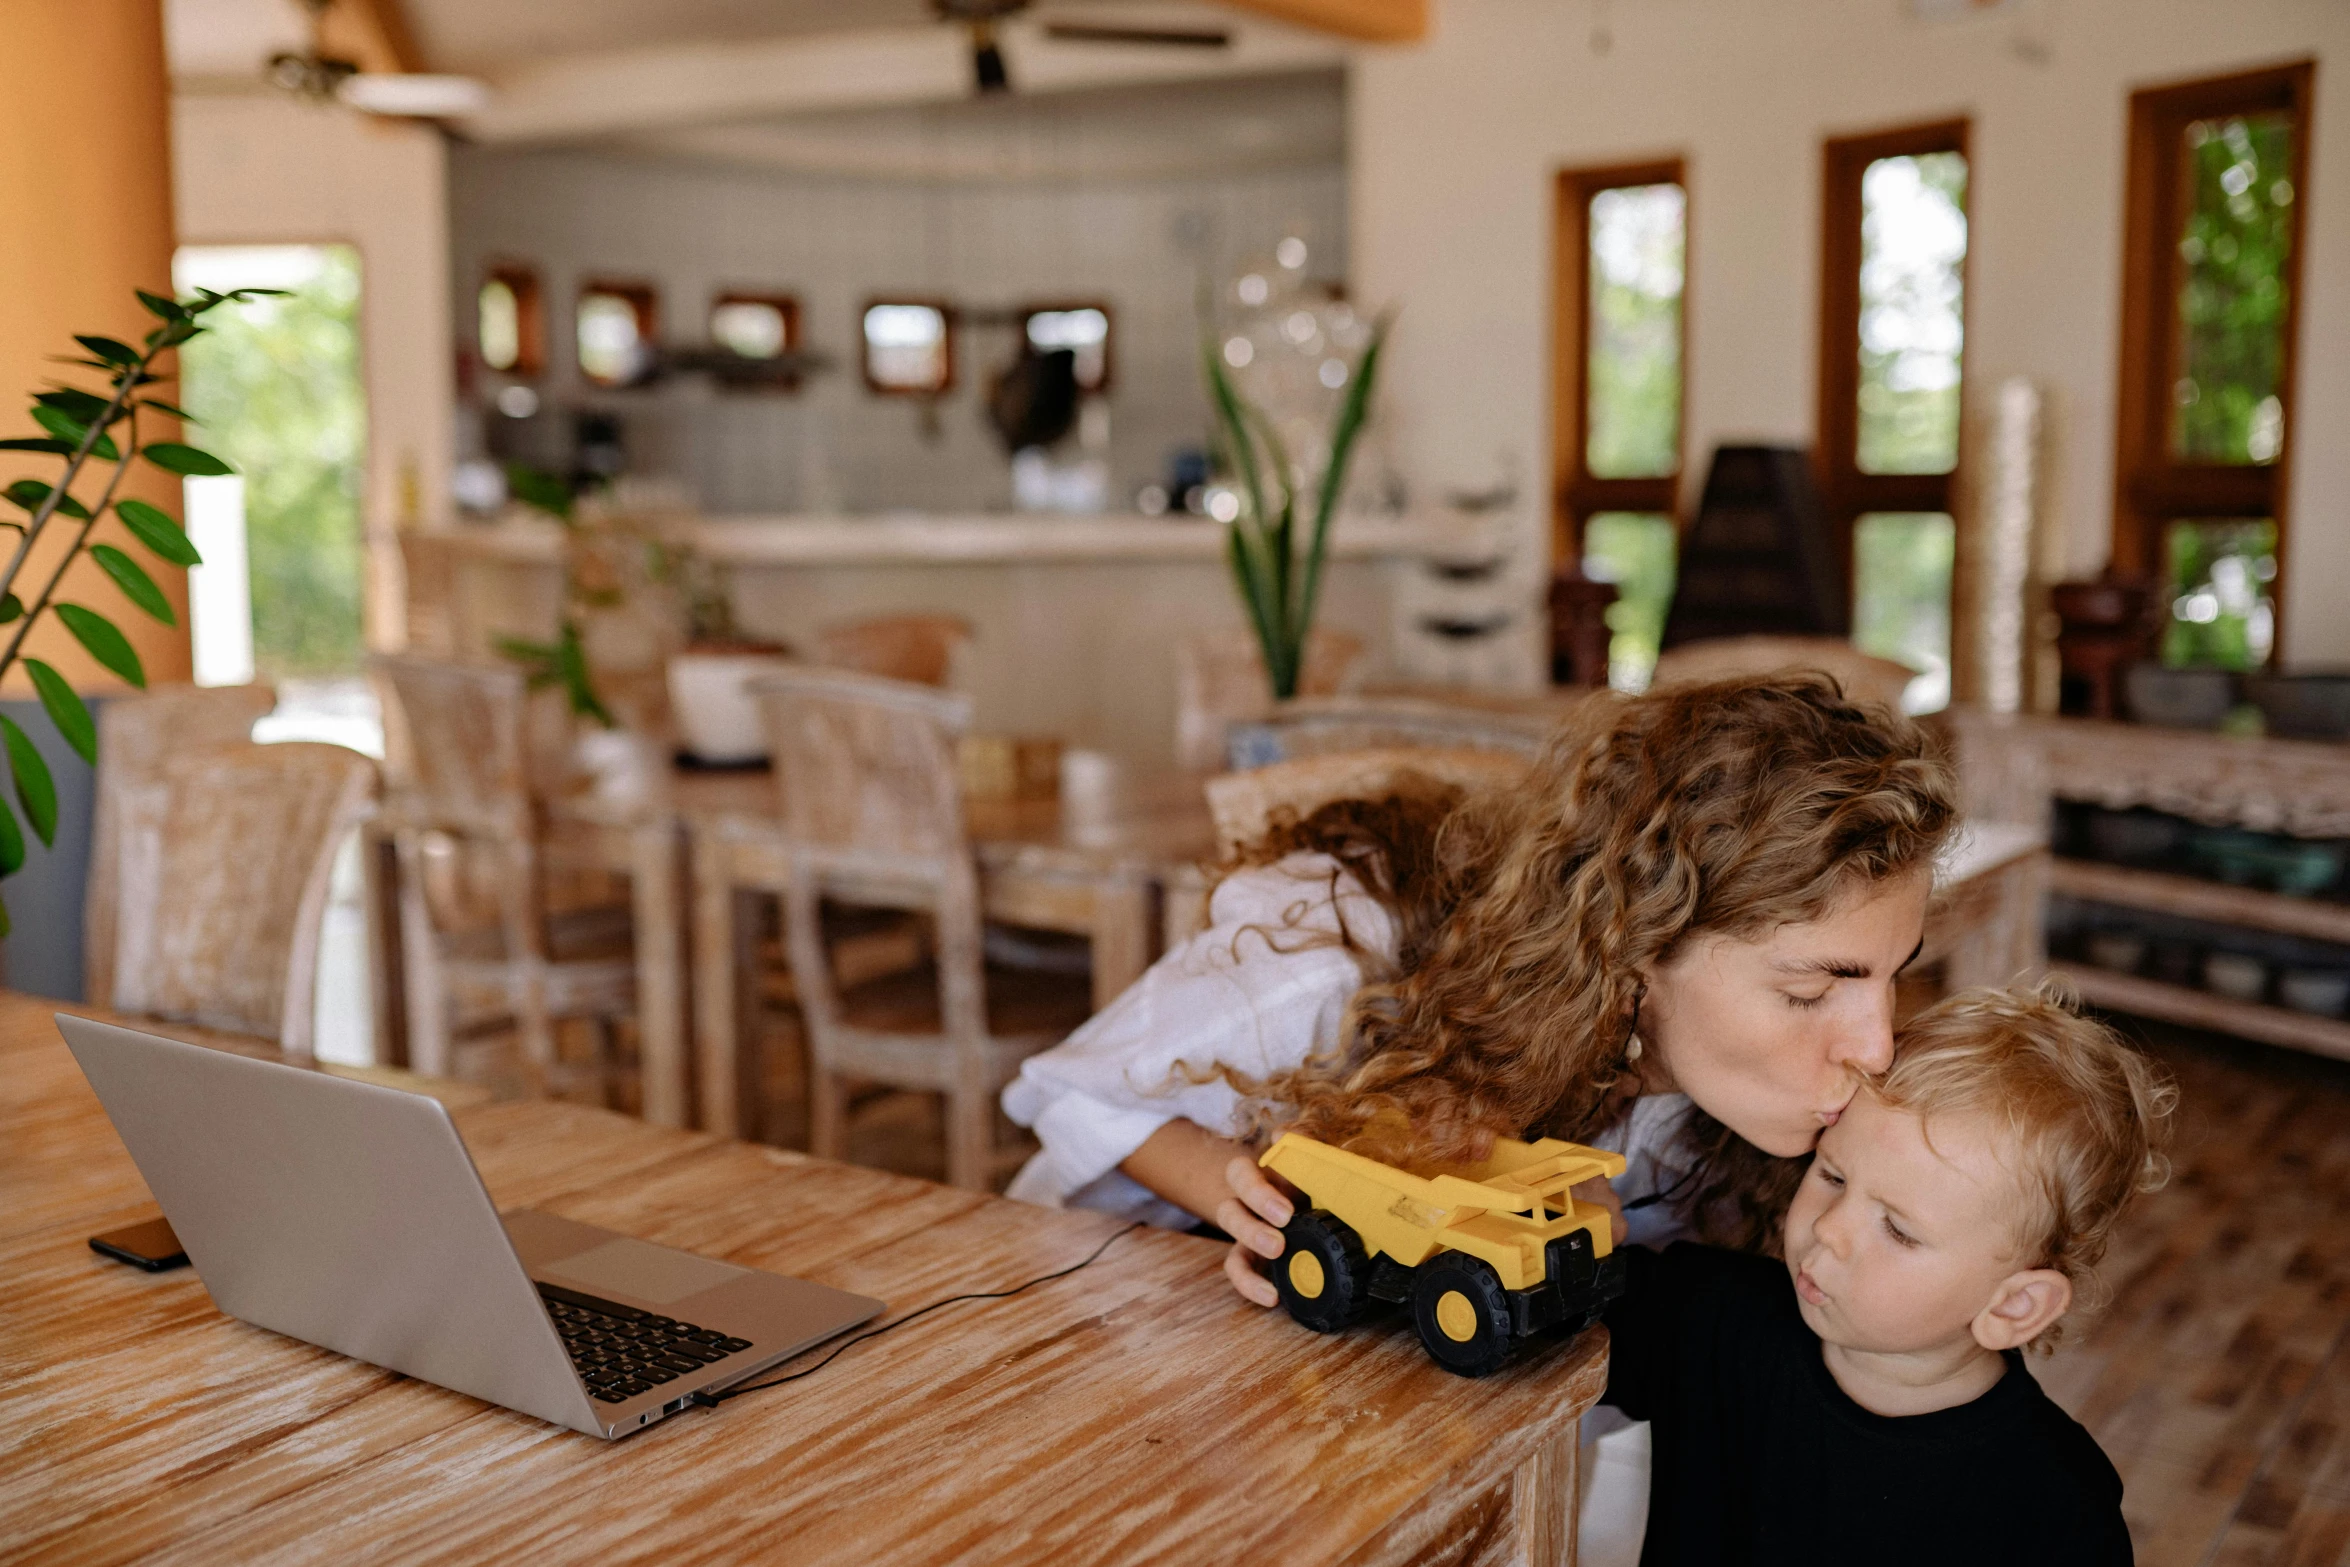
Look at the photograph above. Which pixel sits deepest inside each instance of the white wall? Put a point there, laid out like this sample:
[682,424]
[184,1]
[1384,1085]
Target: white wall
[268,170]
[697,228]
[1454,144]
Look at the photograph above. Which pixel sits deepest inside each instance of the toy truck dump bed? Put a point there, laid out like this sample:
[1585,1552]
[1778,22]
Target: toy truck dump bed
[1483,1255]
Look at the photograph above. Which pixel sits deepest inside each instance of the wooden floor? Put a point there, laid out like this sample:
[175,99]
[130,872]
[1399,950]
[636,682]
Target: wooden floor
[2218,1379]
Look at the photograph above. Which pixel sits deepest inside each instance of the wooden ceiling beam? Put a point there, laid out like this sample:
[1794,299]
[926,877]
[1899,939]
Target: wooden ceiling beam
[373,32]
[1368,21]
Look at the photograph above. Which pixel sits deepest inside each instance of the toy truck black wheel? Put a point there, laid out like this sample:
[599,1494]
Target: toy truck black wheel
[1463,1314]
[1322,1271]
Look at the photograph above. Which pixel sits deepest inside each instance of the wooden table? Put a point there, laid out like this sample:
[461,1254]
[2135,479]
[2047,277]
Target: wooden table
[1134,1411]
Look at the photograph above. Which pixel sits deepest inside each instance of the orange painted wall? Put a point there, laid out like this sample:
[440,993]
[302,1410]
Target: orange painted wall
[85,181]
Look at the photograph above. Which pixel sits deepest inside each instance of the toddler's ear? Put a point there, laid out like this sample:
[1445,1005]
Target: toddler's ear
[2024,1306]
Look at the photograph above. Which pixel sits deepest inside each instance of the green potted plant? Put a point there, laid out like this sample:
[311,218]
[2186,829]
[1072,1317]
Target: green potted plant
[1277,564]
[97,435]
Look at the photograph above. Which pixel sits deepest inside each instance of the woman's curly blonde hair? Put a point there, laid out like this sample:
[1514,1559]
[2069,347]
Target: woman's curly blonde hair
[1525,918]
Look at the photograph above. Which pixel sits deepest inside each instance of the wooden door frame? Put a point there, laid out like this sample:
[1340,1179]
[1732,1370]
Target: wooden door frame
[2150,489]
[1575,493]
[1846,492]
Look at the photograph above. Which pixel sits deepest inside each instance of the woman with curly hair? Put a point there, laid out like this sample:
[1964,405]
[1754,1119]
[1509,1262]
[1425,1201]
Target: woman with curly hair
[1676,938]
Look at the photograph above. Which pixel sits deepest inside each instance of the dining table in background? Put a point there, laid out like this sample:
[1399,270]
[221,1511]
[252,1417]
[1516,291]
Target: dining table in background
[1135,1410]
[1095,866]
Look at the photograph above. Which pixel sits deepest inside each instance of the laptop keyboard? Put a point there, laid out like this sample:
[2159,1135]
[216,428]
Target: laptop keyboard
[620,1351]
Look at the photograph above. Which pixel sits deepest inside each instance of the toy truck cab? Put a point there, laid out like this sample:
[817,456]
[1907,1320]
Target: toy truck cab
[1482,1255]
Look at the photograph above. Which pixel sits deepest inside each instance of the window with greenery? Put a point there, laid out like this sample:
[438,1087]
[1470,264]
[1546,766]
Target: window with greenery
[510,322]
[1892,384]
[1082,329]
[1619,372]
[909,347]
[2210,288]
[275,384]
[756,326]
[618,326]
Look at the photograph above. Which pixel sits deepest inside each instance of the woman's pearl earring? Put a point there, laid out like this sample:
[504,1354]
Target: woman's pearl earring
[1632,1050]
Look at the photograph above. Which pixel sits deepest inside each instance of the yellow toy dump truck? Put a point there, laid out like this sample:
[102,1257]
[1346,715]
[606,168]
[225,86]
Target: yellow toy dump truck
[1484,1255]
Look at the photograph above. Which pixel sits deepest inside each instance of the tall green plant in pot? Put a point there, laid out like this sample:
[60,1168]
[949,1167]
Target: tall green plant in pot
[96,433]
[1277,564]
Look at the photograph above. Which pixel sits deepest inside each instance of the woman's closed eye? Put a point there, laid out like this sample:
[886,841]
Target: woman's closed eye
[1805,1003]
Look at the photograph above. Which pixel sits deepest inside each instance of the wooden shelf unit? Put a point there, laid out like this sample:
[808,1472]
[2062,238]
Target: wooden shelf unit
[2193,898]
[2323,1036]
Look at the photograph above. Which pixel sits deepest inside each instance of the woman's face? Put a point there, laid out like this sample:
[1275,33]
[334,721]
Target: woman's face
[1767,1033]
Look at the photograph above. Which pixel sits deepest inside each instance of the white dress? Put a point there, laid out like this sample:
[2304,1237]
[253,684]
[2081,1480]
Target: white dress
[1265,985]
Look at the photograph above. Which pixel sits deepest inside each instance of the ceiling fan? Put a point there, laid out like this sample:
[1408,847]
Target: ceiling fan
[321,77]
[987,56]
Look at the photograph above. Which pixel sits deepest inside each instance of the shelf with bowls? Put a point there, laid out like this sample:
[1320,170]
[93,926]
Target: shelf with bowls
[2253,1020]
[2197,898]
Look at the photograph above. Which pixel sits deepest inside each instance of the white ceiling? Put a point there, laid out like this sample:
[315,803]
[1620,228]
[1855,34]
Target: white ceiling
[488,35]
[870,87]
[1137,132]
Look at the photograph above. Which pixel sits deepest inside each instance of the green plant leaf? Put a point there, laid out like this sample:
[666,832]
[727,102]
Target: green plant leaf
[107,349]
[1351,415]
[578,685]
[67,428]
[158,532]
[539,491]
[172,457]
[107,645]
[5,927]
[11,607]
[39,443]
[11,842]
[136,585]
[161,308]
[76,404]
[177,333]
[34,787]
[30,493]
[66,710]
[162,407]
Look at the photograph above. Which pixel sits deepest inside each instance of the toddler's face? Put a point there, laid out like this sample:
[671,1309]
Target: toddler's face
[1897,1244]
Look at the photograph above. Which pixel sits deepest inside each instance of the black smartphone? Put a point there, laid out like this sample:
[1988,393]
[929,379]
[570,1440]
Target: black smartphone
[151,1246]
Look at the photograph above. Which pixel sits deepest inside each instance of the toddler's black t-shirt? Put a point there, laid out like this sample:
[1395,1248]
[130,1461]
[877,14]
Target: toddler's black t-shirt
[1760,1458]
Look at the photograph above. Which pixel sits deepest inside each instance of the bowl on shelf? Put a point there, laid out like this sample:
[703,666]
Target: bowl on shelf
[2234,975]
[2178,698]
[2135,837]
[2296,867]
[2325,992]
[2310,706]
[2122,951]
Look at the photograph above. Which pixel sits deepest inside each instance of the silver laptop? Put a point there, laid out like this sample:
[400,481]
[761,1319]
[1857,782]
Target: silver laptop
[349,1215]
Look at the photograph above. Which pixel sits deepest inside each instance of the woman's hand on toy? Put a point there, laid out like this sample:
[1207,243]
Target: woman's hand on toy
[1597,1190]
[1253,1216]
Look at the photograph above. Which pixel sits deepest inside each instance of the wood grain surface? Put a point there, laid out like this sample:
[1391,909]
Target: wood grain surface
[1133,1412]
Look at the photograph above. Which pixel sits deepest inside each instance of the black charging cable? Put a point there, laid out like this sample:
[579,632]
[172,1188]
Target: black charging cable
[708,1400]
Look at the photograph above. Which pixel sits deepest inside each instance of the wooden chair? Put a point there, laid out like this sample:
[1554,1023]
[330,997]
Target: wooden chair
[223,862]
[872,815]
[915,648]
[459,756]
[1220,680]
[1864,676]
[139,733]
[1246,805]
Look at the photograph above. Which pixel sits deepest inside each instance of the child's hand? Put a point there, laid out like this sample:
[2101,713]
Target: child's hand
[1253,1216]
[1597,1190]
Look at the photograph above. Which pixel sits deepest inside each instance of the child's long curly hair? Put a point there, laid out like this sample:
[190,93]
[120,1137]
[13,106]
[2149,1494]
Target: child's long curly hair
[1524,918]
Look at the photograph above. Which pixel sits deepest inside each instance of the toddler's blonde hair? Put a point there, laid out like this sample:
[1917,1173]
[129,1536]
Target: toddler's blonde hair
[2090,1116]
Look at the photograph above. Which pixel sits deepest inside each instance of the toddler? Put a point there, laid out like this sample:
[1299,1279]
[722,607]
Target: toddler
[1866,1399]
